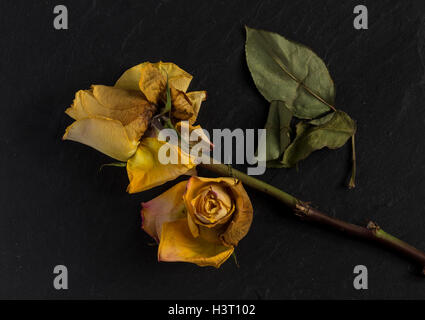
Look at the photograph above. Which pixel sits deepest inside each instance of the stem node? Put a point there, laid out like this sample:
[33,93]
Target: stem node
[372,226]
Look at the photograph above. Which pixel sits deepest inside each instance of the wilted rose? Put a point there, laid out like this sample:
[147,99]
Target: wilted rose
[114,120]
[199,221]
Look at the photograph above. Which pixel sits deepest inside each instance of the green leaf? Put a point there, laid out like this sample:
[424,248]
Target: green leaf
[352,182]
[287,71]
[235,259]
[113,164]
[278,130]
[275,164]
[332,134]
[322,120]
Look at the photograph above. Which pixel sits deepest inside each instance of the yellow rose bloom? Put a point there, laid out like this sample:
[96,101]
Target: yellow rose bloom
[199,221]
[114,120]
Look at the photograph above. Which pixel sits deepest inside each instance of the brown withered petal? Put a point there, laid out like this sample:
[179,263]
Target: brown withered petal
[153,83]
[182,105]
[109,102]
[126,106]
[242,217]
[196,97]
[136,113]
[177,77]
[136,128]
[109,119]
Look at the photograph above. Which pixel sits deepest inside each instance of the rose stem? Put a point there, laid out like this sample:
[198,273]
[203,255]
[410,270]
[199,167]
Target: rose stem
[303,210]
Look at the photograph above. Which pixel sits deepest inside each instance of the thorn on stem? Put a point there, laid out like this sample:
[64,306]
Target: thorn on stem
[372,226]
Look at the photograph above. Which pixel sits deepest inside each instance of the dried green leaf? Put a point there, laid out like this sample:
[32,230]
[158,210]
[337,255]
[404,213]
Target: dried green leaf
[275,164]
[322,120]
[287,71]
[333,134]
[352,182]
[277,130]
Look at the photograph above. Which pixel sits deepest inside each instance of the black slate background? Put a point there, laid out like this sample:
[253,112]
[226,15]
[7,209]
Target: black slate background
[55,208]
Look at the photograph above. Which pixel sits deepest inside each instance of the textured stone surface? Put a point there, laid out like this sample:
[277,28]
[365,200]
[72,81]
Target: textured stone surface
[57,209]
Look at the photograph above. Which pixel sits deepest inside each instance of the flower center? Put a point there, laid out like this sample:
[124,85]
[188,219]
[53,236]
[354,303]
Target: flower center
[213,204]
